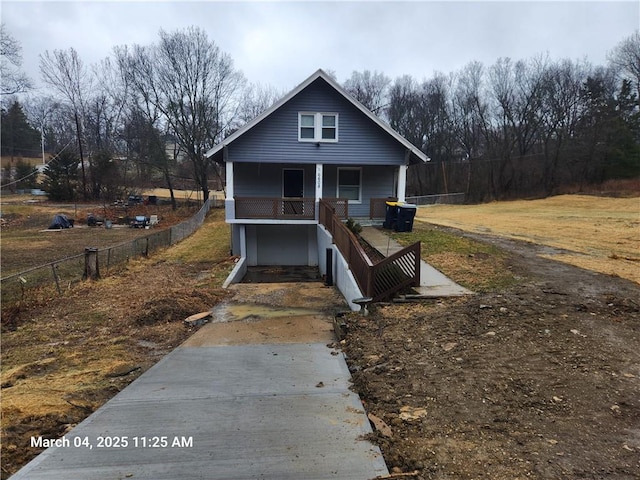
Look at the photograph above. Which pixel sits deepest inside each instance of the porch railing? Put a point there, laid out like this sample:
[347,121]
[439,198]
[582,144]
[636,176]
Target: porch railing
[302,208]
[378,281]
[378,207]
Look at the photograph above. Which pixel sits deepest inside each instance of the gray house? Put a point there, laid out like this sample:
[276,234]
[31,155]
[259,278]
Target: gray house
[317,142]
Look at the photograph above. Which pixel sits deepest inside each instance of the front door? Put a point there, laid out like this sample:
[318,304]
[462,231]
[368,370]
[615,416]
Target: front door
[292,187]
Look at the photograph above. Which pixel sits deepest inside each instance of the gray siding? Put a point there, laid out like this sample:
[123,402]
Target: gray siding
[275,139]
[377,182]
[265,180]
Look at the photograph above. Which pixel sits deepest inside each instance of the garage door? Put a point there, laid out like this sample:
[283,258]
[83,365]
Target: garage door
[285,244]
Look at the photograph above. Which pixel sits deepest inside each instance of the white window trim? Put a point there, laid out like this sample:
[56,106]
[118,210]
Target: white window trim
[359,169]
[317,126]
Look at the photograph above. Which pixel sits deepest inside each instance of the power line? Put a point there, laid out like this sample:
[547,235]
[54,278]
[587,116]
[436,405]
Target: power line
[36,172]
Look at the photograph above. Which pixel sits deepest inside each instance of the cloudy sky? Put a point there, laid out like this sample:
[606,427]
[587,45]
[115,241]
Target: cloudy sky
[281,43]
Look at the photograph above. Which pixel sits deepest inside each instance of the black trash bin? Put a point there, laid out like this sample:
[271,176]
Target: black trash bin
[391,215]
[406,214]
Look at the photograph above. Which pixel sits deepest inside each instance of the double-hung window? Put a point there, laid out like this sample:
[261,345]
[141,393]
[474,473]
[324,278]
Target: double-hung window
[317,127]
[350,184]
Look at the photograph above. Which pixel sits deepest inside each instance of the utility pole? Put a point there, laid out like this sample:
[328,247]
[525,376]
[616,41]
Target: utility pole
[84,177]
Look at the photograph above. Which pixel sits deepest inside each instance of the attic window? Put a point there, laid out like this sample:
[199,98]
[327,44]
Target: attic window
[317,127]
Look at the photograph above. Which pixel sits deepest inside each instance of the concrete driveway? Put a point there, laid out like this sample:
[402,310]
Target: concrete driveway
[249,396]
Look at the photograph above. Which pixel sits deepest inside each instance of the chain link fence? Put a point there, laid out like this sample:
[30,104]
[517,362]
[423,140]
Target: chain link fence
[441,199]
[63,273]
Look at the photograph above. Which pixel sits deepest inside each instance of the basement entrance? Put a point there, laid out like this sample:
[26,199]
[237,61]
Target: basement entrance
[281,274]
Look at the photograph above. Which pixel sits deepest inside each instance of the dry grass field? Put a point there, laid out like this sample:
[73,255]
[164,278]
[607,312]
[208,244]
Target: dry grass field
[68,354]
[27,243]
[597,233]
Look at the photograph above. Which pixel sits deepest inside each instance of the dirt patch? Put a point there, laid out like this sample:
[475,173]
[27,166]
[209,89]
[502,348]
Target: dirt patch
[292,312]
[292,329]
[312,296]
[539,380]
[178,305]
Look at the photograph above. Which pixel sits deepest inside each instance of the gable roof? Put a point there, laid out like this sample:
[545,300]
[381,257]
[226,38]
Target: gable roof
[415,153]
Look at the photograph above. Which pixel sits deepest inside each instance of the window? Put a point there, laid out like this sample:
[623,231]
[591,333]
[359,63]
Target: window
[318,127]
[350,184]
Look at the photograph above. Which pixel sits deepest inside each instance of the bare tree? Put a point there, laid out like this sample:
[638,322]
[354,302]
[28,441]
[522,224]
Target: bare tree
[12,79]
[626,58]
[562,109]
[256,99]
[194,86]
[65,72]
[370,89]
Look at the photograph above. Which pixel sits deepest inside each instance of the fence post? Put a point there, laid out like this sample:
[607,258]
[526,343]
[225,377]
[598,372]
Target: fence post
[55,277]
[91,267]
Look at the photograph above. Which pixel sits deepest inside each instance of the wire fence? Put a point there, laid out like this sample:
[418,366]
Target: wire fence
[441,199]
[63,273]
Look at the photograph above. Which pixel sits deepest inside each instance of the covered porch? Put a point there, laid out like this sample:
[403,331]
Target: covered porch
[303,208]
[282,193]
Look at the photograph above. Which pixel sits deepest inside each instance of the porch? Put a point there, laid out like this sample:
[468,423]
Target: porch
[296,208]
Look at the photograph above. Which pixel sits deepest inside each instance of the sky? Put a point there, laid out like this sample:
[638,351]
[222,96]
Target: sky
[280,44]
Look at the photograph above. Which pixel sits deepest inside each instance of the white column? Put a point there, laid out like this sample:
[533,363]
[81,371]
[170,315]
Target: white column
[318,181]
[243,241]
[229,174]
[402,183]
[318,190]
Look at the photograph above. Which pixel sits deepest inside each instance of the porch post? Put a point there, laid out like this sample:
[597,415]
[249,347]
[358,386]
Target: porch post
[402,183]
[229,203]
[319,182]
[229,174]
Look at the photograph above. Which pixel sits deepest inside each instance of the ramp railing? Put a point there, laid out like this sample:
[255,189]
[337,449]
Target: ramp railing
[378,281]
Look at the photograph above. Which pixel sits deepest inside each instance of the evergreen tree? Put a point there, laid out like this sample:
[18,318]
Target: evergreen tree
[26,175]
[61,176]
[18,137]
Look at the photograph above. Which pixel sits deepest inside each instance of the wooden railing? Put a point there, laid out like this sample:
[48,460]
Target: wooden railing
[379,281]
[340,206]
[302,208]
[378,207]
[400,270]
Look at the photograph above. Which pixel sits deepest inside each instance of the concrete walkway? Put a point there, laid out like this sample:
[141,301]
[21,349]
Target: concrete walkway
[219,409]
[433,283]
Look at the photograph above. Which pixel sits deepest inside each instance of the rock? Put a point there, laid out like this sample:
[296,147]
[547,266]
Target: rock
[320,385]
[380,425]
[409,414]
[503,310]
[372,359]
[121,369]
[449,346]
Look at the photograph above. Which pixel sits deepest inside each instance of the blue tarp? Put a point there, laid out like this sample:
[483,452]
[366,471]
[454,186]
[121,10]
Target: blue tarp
[60,221]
